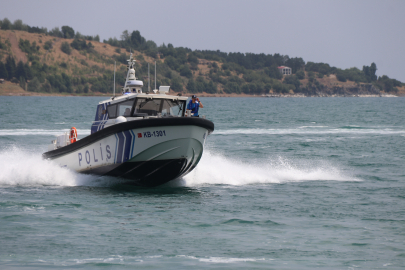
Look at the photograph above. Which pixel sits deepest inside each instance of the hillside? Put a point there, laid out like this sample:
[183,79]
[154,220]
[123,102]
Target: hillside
[47,65]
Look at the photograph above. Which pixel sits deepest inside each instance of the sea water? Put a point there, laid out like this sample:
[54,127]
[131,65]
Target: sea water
[297,183]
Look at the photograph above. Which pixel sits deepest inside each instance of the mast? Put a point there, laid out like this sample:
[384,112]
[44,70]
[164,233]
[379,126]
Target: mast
[155,74]
[148,79]
[114,78]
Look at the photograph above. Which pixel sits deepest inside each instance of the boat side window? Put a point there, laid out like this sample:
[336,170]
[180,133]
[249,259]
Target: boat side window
[124,108]
[120,109]
[112,111]
[149,107]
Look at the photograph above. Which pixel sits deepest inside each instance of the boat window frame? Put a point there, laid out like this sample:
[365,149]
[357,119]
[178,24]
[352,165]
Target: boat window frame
[109,109]
[180,103]
[116,105]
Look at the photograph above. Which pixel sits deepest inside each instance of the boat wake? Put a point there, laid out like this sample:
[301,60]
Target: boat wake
[22,168]
[217,169]
[314,130]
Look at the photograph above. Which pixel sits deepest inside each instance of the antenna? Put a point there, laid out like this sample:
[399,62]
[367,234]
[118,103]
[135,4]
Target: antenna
[114,79]
[155,74]
[148,79]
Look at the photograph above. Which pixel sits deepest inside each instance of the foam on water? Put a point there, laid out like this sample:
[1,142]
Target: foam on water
[217,169]
[222,259]
[319,130]
[19,167]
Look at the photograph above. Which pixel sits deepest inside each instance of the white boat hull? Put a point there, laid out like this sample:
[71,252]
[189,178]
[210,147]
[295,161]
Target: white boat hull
[147,156]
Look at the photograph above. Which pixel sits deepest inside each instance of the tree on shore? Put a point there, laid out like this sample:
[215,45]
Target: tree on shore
[65,47]
[6,24]
[20,71]
[68,32]
[3,71]
[369,72]
[34,85]
[10,67]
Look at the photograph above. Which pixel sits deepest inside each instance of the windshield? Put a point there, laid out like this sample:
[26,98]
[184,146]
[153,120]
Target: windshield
[152,107]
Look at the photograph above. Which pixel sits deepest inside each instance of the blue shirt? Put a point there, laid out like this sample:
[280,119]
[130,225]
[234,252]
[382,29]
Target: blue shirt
[193,107]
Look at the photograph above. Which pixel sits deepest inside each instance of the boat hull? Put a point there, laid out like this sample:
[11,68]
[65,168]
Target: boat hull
[147,152]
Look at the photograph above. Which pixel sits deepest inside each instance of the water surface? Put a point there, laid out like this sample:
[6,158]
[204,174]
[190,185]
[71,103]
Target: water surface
[296,183]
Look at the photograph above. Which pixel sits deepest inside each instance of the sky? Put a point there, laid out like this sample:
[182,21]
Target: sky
[342,33]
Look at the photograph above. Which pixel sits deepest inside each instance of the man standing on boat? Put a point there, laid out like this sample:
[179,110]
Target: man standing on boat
[193,105]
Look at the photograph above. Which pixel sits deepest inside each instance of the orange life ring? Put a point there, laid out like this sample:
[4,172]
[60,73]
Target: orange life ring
[73,135]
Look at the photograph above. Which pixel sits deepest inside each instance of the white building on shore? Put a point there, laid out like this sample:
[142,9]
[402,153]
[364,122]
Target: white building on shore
[285,70]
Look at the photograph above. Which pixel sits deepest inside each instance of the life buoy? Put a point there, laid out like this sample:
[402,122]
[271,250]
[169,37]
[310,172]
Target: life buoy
[73,135]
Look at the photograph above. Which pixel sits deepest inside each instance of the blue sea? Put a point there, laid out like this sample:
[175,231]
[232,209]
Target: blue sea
[284,183]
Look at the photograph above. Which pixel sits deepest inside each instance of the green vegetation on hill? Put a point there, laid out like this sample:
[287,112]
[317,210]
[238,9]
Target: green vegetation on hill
[185,70]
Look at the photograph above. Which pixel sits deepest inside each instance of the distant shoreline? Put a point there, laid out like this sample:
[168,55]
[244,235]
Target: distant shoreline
[35,94]
[12,89]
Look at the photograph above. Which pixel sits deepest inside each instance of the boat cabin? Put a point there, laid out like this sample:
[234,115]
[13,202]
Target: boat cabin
[131,107]
[136,105]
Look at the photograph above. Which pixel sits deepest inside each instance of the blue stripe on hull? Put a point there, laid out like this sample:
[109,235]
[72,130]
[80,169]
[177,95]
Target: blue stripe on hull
[127,147]
[132,143]
[121,141]
[116,147]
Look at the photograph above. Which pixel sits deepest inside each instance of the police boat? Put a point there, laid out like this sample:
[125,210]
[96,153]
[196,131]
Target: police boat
[146,138]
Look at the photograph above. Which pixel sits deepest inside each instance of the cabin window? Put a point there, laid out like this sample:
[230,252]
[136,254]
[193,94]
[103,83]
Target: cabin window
[112,111]
[120,109]
[151,107]
[124,108]
[170,107]
[144,107]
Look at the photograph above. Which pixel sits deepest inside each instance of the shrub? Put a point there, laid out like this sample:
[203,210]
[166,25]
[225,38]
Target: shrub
[6,24]
[121,58]
[46,87]
[172,62]
[192,59]
[176,85]
[79,89]
[68,31]
[232,87]
[22,82]
[191,87]
[340,75]
[318,67]
[245,89]
[292,80]
[3,71]
[33,85]
[210,88]
[26,46]
[185,71]
[48,45]
[389,85]
[300,75]
[65,47]
[83,62]
[80,44]
[2,46]
[86,88]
